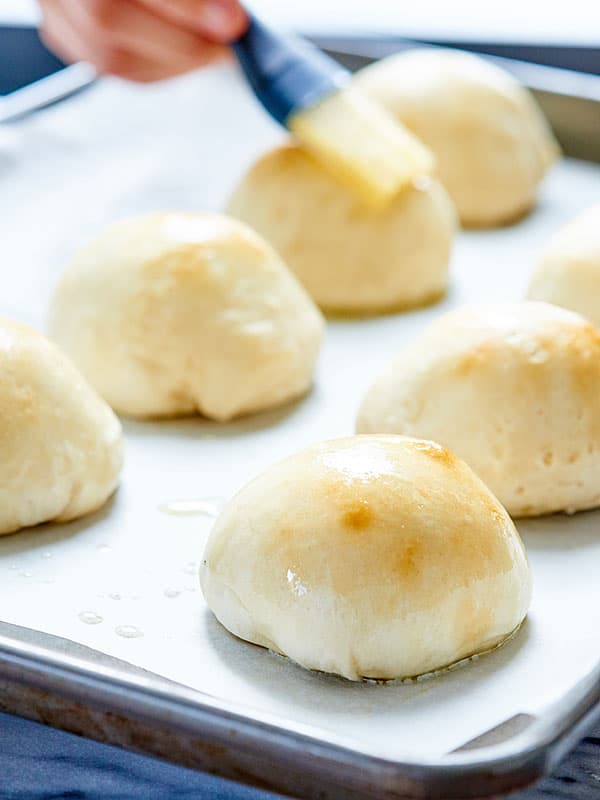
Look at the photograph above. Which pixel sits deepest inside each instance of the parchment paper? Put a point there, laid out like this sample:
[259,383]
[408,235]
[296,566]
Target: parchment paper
[116,150]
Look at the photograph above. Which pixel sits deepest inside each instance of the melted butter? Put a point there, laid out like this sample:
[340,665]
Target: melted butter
[424,677]
[462,662]
[431,449]
[201,507]
[295,584]
[128,631]
[90,618]
[363,460]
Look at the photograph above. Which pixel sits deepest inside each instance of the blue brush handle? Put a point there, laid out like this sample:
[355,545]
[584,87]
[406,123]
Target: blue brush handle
[285,76]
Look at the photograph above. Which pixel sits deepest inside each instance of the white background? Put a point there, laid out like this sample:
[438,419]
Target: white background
[517,20]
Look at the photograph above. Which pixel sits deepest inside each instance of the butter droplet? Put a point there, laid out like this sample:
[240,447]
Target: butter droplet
[202,507]
[295,584]
[128,631]
[90,617]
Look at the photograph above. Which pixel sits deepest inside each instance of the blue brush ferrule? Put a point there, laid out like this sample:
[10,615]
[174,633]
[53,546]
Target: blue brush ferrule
[286,76]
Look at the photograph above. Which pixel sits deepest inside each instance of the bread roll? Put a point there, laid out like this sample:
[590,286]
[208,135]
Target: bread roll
[370,556]
[491,142]
[60,443]
[171,314]
[512,389]
[350,258]
[568,273]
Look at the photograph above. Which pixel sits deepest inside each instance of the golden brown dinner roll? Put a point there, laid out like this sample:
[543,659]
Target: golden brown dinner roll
[512,389]
[60,443]
[349,257]
[170,314]
[370,556]
[568,273]
[490,139]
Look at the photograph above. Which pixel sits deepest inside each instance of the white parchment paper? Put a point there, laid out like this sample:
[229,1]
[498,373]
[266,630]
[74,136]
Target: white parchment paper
[116,150]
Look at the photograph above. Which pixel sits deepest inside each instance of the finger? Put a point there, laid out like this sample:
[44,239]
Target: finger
[61,36]
[64,39]
[218,20]
[75,37]
[127,25]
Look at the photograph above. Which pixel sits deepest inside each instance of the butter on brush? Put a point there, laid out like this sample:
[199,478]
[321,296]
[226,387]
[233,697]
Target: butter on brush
[360,143]
[349,134]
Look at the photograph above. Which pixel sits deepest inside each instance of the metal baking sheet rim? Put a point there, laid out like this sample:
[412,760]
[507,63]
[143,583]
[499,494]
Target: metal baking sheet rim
[181,725]
[153,715]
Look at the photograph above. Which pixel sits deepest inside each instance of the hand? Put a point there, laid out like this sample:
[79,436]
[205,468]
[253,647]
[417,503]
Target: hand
[142,40]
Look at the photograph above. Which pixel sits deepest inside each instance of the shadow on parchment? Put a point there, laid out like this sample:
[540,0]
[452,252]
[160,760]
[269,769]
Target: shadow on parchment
[561,531]
[42,536]
[340,698]
[190,427]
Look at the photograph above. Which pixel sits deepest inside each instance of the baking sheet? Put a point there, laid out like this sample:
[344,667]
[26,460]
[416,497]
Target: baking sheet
[119,150]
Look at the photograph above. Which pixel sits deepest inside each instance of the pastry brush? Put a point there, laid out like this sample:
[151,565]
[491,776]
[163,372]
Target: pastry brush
[310,94]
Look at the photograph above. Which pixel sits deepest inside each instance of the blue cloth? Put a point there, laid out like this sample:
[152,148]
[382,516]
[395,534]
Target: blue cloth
[39,763]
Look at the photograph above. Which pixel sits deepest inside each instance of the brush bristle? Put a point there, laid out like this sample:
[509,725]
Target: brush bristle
[361,144]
